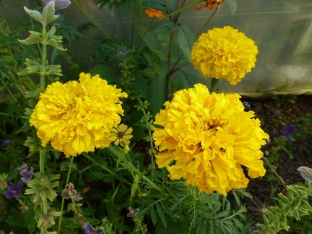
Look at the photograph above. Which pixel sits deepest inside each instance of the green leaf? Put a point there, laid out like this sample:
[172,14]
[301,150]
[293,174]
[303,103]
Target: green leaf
[139,84]
[36,15]
[188,80]
[106,72]
[30,222]
[156,4]
[156,95]
[153,216]
[31,40]
[186,40]
[166,28]
[32,65]
[161,215]
[54,70]
[232,5]
[149,39]
[88,211]
[48,13]
[55,44]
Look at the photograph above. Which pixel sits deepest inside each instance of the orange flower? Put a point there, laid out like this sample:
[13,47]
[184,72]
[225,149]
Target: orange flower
[152,13]
[209,4]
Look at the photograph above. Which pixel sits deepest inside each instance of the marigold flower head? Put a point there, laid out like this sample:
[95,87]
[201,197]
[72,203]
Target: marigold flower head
[78,116]
[206,139]
[224,53]
[209,4]
[122,134]
[152,13]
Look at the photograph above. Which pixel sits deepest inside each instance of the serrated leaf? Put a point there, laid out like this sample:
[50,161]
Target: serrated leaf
[149,39]
[232,5]
[36,15]
[106,72]
[161,215]
[166,28]
[188,80]
[186,40]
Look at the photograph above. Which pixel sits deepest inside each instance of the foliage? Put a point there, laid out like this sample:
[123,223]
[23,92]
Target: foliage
[292,212]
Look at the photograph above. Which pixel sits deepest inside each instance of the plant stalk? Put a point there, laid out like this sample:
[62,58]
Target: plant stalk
[62,204]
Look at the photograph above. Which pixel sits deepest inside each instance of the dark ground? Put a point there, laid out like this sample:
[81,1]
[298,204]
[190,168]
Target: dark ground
[274,113]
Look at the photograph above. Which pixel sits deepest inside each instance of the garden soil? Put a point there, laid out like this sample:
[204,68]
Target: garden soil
[274,113]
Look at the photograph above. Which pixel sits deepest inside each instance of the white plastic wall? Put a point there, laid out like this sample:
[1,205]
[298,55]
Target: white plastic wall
[282,29]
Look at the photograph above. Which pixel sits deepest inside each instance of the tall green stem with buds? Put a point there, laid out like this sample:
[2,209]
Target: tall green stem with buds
[42,187]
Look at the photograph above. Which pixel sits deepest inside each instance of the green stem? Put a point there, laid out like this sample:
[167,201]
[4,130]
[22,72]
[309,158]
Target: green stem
[93,21]
[214,83]
[168,64]
[41,165]
[43,59]
[62,204]
[131,167]
[149,133]
[133,22]
[106,169]
[121,24]
[207,21]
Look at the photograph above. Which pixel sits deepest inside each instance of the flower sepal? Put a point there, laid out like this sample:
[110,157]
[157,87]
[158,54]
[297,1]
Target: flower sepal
[34,144]
[48,13]
[31,40]
[36,15]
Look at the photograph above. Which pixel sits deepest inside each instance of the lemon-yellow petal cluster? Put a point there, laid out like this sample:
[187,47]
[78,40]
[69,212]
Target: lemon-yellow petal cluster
[78,116]
[207,138]
[224,53]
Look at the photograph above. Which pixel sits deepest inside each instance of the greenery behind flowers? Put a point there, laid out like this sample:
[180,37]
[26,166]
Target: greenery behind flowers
[112,179]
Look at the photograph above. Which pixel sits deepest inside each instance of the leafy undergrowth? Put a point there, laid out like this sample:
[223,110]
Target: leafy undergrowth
[282,156]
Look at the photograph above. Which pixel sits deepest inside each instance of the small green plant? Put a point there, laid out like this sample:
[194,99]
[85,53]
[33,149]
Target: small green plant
[279,100]
[293,211]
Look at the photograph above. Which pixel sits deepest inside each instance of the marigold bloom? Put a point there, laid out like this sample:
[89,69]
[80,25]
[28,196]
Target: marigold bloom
[209,4]
[122,134]
[224,53]
[78,117]
[207,138]
[152,13]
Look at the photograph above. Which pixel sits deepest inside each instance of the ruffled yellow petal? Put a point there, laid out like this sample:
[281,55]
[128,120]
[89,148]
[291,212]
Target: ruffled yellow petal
[206,138]
[79,116]
[224,53]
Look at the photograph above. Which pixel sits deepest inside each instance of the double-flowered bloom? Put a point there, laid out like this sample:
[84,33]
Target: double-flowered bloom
[224,53]
[78,116]
[207,139]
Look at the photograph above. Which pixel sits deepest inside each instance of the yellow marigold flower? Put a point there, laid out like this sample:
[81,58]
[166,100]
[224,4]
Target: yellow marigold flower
[224,53]
[152,13]
[78,116]
[122,134]
[207,138]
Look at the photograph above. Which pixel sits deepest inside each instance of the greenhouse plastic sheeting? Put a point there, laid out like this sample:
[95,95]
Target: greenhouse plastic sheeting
[282,30]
